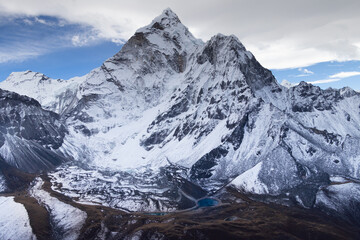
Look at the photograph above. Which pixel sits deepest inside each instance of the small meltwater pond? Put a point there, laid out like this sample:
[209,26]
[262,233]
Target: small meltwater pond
[207,202]
[202,203]
[157,213]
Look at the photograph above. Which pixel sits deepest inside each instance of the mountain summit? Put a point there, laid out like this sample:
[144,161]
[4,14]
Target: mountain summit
[208,110]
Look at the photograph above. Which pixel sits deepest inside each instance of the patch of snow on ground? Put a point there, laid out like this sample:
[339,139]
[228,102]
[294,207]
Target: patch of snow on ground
[14,220]
[338,196]
[338,179]
[68,220]
[249,181]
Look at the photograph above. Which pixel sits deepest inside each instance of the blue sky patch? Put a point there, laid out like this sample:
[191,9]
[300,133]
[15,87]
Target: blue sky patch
[51,46]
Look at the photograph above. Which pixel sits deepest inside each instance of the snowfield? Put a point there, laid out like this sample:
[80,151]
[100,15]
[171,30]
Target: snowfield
[249,181]
[14,220]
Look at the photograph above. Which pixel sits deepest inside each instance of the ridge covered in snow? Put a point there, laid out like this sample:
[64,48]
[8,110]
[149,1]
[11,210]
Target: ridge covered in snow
[53,94]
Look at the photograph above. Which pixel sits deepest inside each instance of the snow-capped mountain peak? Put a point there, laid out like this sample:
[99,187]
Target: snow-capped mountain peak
[165,20]
[17,78]
[166,31]
[164,43]
[287,84]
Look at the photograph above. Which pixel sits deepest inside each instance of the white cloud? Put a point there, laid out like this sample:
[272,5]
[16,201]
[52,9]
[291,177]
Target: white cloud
[32,20]
[25,43]
[42,21]
[28,21]
[84,39]
[280,33]
[76,41]
[15,55]
[325,81]
[304,72]
[345,74]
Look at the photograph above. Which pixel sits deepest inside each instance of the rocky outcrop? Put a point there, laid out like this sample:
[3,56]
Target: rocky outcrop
[29,135]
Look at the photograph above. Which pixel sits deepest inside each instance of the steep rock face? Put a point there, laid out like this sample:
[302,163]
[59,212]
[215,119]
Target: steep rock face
[29,135]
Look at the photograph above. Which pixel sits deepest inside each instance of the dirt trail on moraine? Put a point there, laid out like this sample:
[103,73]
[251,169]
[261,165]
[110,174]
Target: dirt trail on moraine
[38,215]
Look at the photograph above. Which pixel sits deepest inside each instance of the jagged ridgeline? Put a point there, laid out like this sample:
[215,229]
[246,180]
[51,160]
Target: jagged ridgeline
[169,99]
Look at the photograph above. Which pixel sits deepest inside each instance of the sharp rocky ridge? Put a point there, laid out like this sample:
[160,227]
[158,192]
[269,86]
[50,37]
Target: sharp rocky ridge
[168,98]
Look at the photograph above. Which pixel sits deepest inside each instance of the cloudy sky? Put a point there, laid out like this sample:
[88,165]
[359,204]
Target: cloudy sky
[316,41]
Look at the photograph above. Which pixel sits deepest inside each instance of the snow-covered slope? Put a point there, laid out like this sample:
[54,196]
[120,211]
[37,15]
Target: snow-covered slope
[250,181]
[66,220]
[168,98]
[341,198]
[14,220]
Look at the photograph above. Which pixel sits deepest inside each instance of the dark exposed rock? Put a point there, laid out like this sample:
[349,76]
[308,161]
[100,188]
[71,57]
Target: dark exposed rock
[237,135]
[30,133]
[257,77]
[348,118]
[175,110]
[311,151]
[184,129]
[330,138]
[11,99]
[201,92]
[177,61]
[302,108]
[155,138]
[79,113]
[207,55]
[83,129]
[306,97]
[139,40]
[307,190]
[202,168]
[157,25]
[217,114]
[23,117]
